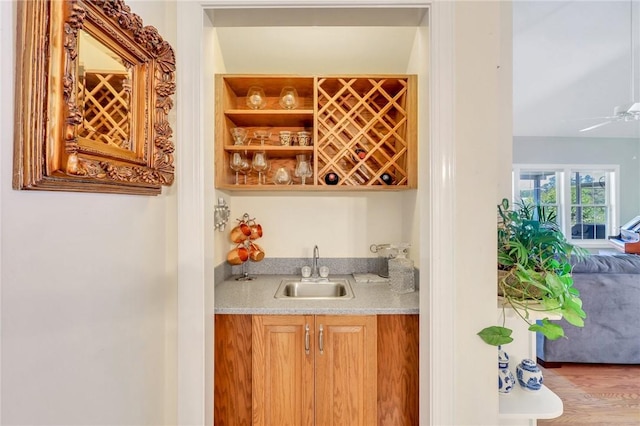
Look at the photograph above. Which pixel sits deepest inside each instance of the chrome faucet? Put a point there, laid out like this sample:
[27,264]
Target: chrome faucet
[314,264]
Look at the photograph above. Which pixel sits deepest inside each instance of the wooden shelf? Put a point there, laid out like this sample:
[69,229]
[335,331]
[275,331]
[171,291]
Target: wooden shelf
[363,129]
[270,118]
[521,404]
[277,151]
[296,186]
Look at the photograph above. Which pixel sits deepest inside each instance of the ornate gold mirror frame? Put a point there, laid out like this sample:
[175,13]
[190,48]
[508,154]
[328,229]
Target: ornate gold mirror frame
[93,92]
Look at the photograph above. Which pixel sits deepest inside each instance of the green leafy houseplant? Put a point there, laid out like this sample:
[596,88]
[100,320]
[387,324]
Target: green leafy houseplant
[534,272]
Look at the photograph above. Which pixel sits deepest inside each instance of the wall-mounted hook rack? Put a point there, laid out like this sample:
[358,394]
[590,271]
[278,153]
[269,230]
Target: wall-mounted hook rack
[221,214]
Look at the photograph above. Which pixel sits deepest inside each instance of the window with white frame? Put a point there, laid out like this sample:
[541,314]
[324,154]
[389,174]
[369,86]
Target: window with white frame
[584,198]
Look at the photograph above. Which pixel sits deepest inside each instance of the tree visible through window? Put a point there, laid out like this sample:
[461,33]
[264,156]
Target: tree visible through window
[538,188]
[589,208]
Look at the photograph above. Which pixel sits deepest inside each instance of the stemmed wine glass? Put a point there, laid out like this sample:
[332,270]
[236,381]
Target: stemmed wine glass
[246,168]
[303,167]
[262,135]
[239,164]
[260,164]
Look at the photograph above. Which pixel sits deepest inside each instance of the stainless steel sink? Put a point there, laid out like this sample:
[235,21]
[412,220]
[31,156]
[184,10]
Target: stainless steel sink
[329,289]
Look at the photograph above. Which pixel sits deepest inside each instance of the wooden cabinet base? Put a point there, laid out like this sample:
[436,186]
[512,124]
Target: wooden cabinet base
[398,374]
[232,370]
[397,369]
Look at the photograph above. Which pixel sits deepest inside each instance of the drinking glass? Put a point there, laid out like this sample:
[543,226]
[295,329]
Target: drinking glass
[303,167]
[288,98]
[282,176]
[239,135]
[304,138]
[239,164]
[259,164]
[246,167]
[256,99]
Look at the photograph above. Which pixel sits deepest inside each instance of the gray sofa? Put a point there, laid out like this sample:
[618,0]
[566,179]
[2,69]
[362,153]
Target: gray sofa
[610,291]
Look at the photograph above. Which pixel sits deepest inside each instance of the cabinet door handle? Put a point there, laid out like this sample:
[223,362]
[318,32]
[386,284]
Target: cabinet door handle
[306,339]
[321,340]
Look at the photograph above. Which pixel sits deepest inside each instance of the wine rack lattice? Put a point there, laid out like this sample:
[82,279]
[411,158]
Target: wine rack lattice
[107,108]
[363,127]
[362,130]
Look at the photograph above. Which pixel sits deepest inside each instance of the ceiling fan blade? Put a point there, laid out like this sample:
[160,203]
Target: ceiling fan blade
[602,117]
[595,126]
[574,120]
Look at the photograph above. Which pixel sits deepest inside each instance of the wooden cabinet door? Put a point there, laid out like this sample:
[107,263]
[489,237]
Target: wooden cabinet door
[283,380]
[398,374]
[232,370]
[346,370]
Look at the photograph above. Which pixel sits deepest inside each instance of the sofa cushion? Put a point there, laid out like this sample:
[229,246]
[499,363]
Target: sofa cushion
[610,291]
[609,264]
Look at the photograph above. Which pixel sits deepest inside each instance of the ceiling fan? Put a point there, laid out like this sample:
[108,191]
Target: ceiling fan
[630,111]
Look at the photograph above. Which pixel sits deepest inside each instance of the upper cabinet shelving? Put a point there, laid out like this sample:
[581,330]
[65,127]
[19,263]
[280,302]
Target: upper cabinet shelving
[362,128]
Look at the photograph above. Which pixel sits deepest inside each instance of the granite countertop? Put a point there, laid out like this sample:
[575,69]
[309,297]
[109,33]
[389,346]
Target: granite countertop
[257,297]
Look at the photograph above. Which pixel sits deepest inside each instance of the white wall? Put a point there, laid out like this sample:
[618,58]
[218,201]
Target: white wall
[88,290]
[214,66]
[341,225]
[482,146]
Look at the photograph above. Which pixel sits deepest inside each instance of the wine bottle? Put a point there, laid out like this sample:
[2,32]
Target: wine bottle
[362,174]
[331,178]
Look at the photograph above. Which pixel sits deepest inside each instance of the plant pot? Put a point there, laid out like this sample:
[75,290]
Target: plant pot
[512,287]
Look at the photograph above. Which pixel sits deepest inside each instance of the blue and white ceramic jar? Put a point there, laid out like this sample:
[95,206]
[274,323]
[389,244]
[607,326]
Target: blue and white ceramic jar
[505,376]
[529,375]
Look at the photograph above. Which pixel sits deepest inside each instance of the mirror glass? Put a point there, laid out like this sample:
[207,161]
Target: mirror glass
[104,94]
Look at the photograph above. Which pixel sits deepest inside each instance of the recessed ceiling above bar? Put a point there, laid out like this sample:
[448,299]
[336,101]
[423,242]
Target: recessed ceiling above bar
[301,17]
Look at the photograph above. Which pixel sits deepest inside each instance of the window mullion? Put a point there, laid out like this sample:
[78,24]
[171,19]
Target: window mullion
[565,201]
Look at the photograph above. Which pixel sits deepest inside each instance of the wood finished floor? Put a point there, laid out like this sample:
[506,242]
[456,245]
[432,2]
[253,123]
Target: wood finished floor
[592,394]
